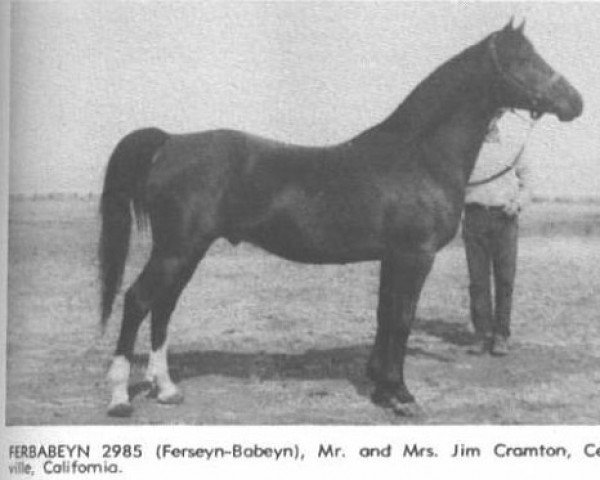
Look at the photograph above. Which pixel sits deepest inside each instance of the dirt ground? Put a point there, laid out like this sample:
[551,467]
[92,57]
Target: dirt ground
[258,340]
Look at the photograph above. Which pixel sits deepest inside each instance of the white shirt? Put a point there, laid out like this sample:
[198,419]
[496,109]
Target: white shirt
[505,140]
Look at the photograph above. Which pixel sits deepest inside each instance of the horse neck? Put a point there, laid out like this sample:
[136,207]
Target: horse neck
[461,79]
[446,116]
[451,149]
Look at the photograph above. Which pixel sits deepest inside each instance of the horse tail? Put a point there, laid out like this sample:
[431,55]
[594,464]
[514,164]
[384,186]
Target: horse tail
[124,182]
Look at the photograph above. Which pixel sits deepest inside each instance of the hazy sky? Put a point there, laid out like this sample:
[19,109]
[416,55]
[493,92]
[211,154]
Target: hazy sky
[86,73]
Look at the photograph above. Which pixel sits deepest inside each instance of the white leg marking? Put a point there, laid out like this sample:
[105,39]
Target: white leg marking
[118,377]
[151,369]
[158,371]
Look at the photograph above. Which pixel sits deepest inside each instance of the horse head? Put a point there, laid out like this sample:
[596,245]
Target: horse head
[526,81]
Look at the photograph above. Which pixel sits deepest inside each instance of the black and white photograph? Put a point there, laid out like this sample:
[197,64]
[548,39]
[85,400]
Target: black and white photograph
[303,213]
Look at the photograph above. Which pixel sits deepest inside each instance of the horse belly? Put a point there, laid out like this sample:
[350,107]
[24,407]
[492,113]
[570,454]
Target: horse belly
[310,232]
[286,239]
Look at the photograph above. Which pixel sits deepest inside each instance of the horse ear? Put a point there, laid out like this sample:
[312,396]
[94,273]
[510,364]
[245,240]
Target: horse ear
[509,25]
[521,28]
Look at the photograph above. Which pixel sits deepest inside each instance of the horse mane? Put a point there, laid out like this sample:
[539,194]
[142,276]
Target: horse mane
[436,96]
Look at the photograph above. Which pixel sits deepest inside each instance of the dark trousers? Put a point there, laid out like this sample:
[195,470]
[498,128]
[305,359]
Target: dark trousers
[491,239]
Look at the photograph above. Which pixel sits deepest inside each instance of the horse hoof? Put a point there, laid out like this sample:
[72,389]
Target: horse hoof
[121,410]
[409,410]
[171,399]
[404,406]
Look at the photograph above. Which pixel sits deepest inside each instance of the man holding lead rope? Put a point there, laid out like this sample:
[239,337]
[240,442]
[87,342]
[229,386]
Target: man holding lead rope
[498,190]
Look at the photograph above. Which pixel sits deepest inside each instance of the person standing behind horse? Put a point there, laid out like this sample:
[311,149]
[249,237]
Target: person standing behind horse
[498,190]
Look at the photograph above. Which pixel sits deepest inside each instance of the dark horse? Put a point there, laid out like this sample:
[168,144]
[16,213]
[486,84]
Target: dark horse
[394,193]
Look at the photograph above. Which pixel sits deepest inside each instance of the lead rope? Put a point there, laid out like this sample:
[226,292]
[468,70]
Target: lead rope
[508,168]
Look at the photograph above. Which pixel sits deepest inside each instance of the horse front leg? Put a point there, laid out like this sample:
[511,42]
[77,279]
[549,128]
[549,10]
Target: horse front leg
[401,280]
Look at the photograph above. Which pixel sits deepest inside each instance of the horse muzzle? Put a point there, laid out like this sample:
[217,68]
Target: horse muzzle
[567,102]
[572,110]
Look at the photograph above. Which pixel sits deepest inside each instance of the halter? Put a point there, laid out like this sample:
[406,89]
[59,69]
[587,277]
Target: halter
[536,95]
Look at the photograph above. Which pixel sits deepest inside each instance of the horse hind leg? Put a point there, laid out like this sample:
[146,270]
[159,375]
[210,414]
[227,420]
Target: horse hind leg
[157,372]
[156,289]
[137,305]
[179,270]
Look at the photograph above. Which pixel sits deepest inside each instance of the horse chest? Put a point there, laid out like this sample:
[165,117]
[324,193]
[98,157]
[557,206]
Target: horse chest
[422,217]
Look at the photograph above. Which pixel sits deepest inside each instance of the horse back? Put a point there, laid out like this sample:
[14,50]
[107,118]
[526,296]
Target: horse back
[228,175]
[314,204]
